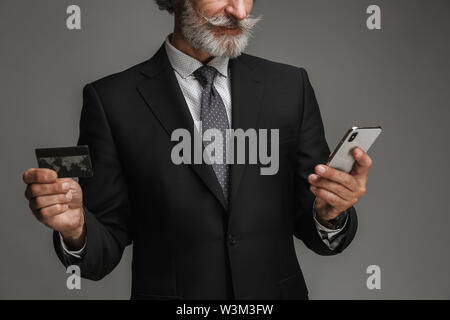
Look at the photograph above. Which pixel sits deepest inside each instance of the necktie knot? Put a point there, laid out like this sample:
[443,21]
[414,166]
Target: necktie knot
[205,75]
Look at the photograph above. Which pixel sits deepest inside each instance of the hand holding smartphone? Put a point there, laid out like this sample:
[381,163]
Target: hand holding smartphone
[357,137]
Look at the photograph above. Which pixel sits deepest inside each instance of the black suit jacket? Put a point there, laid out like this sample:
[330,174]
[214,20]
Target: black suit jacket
[186,244]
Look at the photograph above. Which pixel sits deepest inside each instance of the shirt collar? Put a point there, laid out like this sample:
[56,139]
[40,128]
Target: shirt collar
[185,65]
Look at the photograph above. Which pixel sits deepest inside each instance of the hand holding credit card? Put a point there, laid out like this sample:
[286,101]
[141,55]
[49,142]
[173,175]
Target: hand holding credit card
[68,162]
[54,197]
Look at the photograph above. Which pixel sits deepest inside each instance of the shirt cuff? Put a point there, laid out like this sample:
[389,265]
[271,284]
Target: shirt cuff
[77,254]
[331,237]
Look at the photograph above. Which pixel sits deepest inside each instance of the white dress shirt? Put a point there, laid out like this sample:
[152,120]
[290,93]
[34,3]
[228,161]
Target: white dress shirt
[184,67]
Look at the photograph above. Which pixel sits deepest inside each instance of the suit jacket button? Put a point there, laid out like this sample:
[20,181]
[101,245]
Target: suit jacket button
[232,239]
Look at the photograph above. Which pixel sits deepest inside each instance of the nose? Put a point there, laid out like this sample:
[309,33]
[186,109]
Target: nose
[237,9]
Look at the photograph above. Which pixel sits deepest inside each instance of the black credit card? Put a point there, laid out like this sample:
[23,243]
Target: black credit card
[68,162]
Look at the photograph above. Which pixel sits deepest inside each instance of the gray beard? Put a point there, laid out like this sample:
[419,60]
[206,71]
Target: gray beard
[201,36]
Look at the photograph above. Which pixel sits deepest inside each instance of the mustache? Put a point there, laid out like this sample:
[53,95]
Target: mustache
[222,20]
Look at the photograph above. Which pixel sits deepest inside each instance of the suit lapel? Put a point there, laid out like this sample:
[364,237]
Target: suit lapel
[246,94]
[165,99]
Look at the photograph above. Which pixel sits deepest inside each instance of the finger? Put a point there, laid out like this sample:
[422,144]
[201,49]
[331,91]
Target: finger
[72,183]
[331,186]
[363,163]
[46,201]
[332,199]
[40,175]
[335,175]
[50,211]
[42,189]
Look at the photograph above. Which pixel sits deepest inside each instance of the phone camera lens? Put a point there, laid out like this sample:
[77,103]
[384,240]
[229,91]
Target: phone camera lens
[353,136]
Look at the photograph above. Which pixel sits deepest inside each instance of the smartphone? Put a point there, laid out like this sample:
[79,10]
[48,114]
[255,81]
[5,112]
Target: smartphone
[362,137]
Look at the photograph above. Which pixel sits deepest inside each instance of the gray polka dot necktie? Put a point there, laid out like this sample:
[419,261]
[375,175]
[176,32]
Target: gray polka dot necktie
[214,116]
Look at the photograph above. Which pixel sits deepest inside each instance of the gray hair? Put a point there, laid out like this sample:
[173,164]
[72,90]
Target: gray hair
[168,5]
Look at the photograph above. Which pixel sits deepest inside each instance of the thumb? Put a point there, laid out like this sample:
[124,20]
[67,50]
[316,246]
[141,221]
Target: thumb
[362,164]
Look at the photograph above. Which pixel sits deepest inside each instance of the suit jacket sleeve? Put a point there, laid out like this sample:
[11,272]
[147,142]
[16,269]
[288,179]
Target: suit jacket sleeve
[312,150]
[105,196]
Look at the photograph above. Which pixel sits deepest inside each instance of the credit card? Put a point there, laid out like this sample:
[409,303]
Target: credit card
[68,162]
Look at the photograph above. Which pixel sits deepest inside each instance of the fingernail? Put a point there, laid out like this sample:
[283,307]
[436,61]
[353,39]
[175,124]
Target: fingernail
[313,188]
[321,169]
[69,195]
[65,186]
[313,177]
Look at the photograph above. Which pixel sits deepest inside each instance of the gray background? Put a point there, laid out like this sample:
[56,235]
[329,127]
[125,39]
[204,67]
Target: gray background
[397,77]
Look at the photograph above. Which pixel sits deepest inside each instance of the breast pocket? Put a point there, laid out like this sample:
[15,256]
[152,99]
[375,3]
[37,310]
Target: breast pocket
[287,134]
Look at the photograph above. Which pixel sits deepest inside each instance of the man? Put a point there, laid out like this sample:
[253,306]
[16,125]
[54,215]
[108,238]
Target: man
[201,231]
